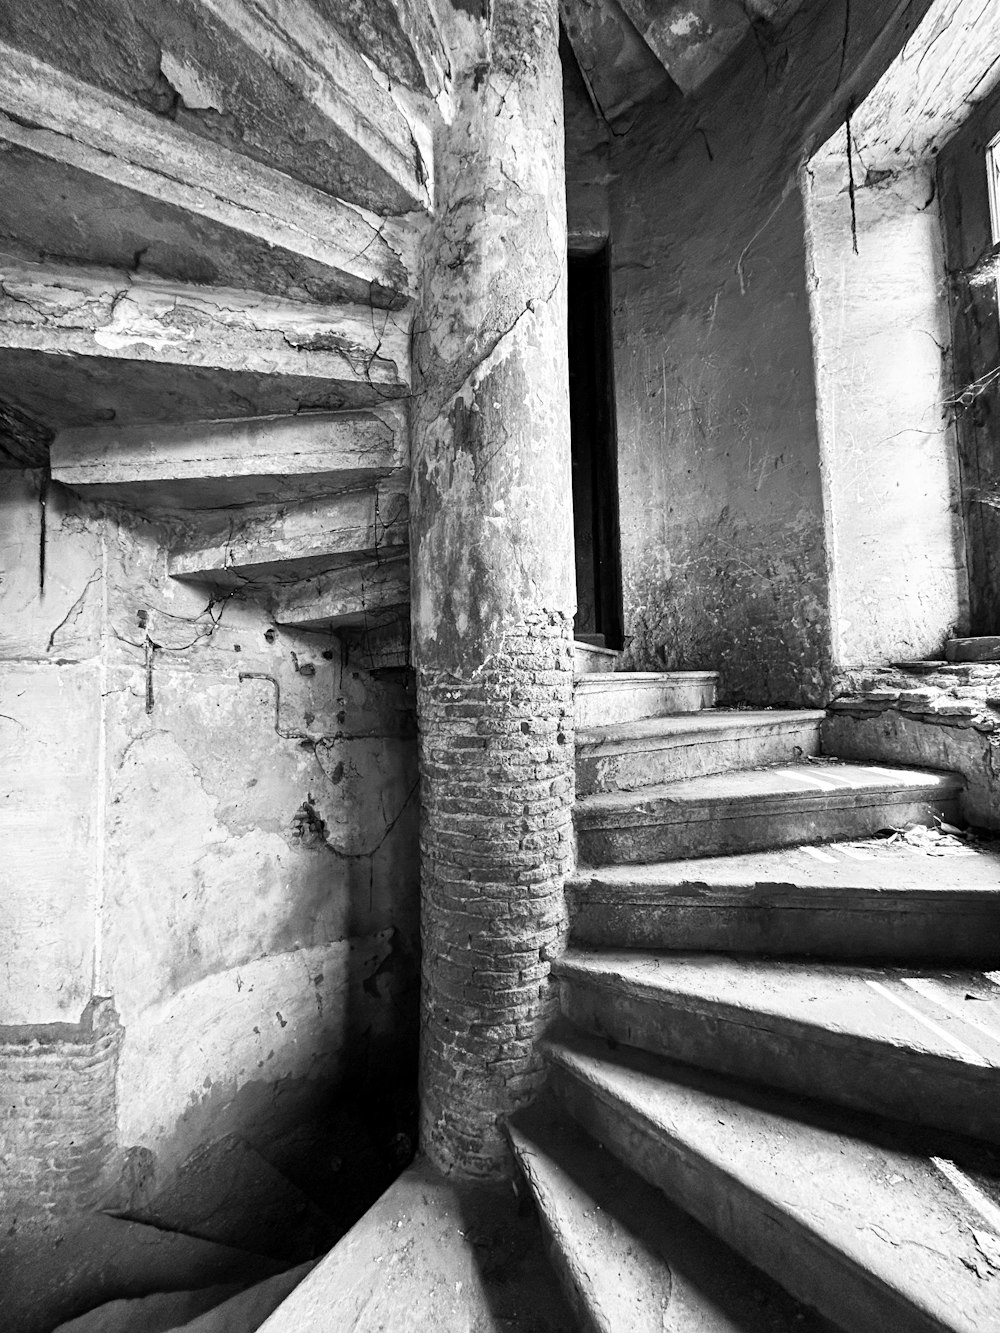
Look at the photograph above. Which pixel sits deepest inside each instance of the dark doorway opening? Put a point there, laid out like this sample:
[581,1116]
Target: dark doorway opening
[595,469]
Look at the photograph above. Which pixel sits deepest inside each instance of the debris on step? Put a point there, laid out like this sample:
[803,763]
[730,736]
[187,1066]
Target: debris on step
[942,839]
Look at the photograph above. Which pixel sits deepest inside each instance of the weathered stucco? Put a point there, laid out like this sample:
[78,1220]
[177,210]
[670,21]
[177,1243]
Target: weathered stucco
[214,825]
[723,547]
[890,467]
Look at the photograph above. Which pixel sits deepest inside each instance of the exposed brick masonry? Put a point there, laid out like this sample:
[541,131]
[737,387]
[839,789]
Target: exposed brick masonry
[497,779]
[57,1113]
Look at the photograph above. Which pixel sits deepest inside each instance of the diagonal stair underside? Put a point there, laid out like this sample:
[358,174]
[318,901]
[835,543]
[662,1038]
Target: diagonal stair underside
[270,80]
[189,208]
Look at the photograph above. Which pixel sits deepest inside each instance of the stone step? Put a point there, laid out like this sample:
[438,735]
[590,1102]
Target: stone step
[366,595]
[626,755]
[985,648]
[208,465]
[870,900]
[282,85]
[603,697]
[758,808]
[79,1263]
[593,658]
[627,1257]
[814,1029]
[295,541]
[433,1252]
[873,1232]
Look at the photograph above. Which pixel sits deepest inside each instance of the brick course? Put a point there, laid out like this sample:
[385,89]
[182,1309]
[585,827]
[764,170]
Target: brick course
[496,842]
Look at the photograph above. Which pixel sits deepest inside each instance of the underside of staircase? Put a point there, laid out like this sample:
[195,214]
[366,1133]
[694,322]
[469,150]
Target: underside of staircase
[210,327]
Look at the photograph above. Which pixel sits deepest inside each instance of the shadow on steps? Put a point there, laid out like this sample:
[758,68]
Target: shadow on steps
[433,1255]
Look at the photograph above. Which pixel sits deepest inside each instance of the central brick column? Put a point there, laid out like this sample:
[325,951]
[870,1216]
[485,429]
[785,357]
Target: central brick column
[493,595]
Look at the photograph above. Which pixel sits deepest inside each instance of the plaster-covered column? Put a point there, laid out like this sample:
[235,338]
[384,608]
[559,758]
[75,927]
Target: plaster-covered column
[493,590]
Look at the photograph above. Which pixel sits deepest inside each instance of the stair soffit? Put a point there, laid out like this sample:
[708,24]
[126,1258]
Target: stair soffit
[213,464]
[356,596]
[269,78]
[268,353]
[118,156]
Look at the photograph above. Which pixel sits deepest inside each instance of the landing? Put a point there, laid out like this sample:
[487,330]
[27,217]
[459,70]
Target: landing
[431,1254]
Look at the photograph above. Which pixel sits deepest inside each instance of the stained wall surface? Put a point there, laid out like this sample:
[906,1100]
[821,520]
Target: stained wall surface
[216,833]
[887,443]
[725,563]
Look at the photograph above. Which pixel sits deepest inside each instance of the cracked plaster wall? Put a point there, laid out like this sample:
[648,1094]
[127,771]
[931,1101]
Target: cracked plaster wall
[889,459]
[723,545]
[248,900]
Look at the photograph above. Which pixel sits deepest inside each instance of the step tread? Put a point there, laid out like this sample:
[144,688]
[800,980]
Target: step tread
[874,869]
[954,1015]
[634,1259]
[821,782]
[707,725]
[883,1213]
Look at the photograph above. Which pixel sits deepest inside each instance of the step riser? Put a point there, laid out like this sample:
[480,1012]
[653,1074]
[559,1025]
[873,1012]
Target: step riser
[631,1260]
[588,659]
[755,1227]
[696,758]
[629,703]
[590,1316]
[948,935]
[707,831]
[864,1074]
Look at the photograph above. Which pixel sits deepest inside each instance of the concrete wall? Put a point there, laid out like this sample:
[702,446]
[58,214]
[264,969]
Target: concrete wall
[724,554]
[240,879]
[880,326]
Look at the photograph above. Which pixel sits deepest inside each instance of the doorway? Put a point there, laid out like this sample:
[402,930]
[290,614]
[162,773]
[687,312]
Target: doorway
[594,451]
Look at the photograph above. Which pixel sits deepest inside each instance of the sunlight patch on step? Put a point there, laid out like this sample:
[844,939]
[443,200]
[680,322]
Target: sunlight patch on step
[973,1057]
[971,1011]
[970,1192]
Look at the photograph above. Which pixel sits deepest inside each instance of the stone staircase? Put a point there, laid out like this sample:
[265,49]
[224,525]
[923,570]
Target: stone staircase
[772,1098]
[204,319]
